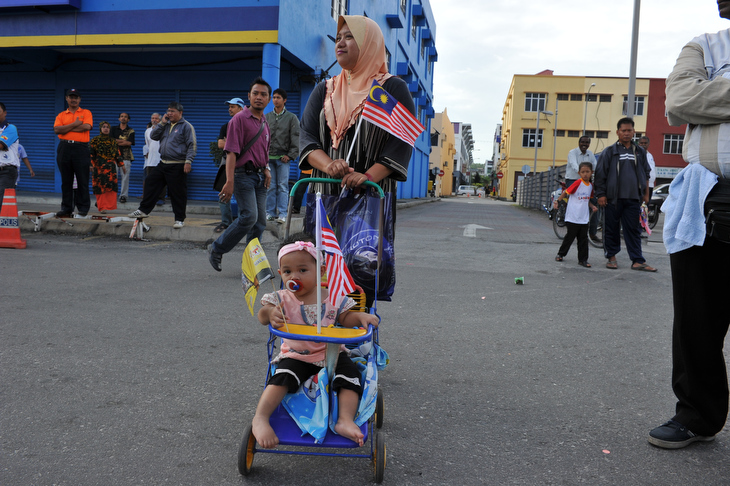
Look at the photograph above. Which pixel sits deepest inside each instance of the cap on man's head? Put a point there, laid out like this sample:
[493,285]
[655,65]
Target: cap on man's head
[236,101]
[73,91]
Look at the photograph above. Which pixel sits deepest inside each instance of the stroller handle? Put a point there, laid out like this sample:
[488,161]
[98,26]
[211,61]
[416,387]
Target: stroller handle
[311,180]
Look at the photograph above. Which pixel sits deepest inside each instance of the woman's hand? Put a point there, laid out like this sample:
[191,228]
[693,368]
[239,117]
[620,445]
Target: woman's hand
[338,169]
[354,179]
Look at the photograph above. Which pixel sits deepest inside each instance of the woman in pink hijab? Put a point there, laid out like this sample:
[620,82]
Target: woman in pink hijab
[330,118]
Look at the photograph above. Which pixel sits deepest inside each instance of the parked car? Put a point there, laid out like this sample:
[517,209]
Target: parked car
[463,190]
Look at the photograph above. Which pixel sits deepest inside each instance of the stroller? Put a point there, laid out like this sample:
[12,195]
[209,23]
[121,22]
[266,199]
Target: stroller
[310,433]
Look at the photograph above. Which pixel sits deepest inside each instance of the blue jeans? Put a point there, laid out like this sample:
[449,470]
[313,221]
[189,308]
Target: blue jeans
[277,199]
[226,215]
[251,222]
[624,215]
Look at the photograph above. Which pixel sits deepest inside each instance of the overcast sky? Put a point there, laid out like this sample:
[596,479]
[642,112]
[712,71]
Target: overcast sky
[481,44]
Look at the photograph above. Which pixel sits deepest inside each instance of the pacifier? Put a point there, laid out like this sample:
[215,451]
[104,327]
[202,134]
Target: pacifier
[293,285]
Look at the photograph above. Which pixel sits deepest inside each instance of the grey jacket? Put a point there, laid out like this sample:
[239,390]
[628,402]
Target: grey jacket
[177,142]
[284,134]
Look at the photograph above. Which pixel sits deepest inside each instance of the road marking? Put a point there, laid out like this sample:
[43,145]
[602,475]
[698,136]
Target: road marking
[470,230]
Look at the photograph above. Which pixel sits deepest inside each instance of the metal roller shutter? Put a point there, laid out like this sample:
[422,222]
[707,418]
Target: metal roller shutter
[31,111]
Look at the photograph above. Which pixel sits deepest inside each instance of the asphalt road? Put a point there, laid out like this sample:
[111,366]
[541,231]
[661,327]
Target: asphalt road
[135,363]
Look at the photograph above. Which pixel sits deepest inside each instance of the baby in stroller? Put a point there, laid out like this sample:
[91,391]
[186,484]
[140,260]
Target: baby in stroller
[298,360]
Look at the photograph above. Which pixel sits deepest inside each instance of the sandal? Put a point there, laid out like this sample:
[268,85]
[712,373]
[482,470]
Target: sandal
[643,267]
[612,264]
[585,264]
[220,228]
[558,258]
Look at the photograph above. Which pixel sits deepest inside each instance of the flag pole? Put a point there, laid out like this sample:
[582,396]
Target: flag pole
[319,261]
[354,139]
[278,304]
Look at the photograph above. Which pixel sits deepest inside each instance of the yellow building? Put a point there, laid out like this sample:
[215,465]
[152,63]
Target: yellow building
[442,153]
[571,103]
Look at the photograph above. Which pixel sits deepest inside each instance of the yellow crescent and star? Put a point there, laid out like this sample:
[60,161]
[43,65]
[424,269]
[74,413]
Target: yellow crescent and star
[382,98]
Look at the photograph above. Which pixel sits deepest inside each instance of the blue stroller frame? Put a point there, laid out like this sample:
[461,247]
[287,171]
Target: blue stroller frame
[285,427]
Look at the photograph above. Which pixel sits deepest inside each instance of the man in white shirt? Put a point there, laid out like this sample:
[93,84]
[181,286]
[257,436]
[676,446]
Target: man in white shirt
[575,157]
[151,153]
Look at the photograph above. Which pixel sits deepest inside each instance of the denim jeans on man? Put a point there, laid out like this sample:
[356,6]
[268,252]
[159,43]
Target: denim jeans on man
[277,199]
[8,176]
[250,195]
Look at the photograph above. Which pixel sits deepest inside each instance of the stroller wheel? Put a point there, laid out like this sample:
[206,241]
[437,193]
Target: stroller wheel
[245,454]
[379,409]
[379,457]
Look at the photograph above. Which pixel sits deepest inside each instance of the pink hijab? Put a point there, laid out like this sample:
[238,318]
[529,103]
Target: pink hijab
[346,92]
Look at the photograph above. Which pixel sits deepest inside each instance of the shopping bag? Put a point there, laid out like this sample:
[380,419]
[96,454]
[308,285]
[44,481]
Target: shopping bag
[355,219]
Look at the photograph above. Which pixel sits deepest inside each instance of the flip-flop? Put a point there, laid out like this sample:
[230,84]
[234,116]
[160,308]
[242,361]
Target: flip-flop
[585,264]
[613,265]
[558,258]
[220,228]
[643,267]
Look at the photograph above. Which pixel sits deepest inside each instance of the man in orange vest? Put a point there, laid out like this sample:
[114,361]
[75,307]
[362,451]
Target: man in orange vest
[72,157]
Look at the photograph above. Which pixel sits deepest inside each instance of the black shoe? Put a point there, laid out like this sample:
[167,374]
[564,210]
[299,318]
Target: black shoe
[82,215]
[673,435]
[123,199]
[214,258]
[596,239]
[64,214]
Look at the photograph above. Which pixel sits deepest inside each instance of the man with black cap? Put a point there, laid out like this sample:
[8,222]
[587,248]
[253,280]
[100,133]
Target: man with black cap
[72,157]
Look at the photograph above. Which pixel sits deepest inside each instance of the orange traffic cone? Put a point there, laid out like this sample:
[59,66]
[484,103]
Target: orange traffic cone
[9,229]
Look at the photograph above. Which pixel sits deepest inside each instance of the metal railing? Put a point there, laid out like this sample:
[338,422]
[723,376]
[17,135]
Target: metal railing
[534,190]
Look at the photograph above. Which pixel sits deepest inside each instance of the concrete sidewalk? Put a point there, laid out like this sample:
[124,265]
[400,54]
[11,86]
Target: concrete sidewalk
[202,218]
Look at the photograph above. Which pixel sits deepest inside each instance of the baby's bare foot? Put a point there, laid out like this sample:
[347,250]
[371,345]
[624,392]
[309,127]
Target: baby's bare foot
[347,428]
[265,435]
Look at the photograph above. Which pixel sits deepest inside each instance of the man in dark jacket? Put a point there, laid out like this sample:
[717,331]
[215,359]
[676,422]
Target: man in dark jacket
[178,146]
[621,184]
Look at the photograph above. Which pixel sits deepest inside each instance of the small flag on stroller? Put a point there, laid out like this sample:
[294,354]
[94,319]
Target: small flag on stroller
[339,280]
[255,270]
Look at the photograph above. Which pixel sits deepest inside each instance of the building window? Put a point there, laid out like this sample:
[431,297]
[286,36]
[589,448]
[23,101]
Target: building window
[535,101]
[339,7]
[413,28]
[590,134]
[574,133]
[638,106]
[559,133]
[528,138]
[591,97]
[403,5]
[576,97]
[563,96]
[605,98]
[673,144]
[601,134]
[637,136]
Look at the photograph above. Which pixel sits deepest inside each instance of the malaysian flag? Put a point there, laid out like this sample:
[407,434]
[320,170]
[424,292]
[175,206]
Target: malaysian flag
[339,280]
[385,111]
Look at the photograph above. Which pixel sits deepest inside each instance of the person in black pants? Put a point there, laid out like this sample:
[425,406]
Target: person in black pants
[72,156]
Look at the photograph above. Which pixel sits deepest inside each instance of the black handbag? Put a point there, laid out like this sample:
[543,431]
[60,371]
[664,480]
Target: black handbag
[220,177]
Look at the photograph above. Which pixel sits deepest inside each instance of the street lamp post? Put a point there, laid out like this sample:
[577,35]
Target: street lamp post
[585,113]
[537,137]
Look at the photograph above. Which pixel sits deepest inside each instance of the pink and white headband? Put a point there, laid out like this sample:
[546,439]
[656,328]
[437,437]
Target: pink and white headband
[298,246]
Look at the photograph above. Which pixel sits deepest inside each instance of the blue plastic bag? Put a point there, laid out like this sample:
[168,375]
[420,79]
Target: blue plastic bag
[355,218]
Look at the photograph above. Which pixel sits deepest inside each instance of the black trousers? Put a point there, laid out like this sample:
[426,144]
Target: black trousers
[174,177]
[700,289]
[581,232]
[73,159]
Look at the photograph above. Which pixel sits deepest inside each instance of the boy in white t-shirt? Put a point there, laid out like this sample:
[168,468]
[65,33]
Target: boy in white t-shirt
[577,214]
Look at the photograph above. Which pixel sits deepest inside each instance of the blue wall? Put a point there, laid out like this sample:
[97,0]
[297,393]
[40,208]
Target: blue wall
[216,65]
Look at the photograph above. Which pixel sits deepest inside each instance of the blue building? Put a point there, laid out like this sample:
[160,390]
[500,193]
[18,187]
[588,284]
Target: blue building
[136,56]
